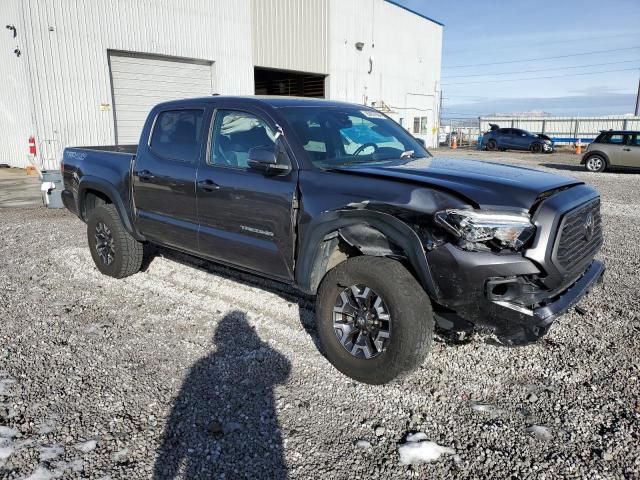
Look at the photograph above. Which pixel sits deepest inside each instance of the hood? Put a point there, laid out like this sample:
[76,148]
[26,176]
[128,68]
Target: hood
[486,184]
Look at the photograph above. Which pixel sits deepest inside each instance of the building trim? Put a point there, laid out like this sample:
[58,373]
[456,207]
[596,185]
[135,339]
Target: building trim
[398,4]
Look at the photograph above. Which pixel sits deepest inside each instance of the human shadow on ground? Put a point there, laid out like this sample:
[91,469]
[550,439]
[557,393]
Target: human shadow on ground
[223,423]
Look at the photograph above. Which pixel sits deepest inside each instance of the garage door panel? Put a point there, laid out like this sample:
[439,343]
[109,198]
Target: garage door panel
[141,82]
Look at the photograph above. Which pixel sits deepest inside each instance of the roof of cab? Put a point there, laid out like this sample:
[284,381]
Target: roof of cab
[273,101]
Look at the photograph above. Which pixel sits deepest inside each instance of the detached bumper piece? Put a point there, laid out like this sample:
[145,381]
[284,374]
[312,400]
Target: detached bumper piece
[542,317]
[504,293]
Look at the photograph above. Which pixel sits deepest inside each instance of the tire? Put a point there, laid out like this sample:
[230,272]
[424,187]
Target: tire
[492,145]
[536,148]
[119,254]
[410,319]
[595,163]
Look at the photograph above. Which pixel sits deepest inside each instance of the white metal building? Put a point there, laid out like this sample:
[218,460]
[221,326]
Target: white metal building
[86,72]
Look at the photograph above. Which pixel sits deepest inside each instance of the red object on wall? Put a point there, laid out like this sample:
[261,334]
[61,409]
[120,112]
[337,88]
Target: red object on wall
[32,146]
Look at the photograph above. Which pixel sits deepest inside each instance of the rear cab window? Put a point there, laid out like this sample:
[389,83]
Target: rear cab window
[177,134]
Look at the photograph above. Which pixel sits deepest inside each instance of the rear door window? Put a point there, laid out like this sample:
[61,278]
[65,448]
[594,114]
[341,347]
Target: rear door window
[634,140]
[177,135]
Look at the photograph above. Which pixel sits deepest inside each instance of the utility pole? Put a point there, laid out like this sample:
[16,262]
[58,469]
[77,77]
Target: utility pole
[638,100]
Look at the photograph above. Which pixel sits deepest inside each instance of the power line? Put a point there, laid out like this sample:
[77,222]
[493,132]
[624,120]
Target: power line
[540,69]
[540,78]
[527,44]
[544,58]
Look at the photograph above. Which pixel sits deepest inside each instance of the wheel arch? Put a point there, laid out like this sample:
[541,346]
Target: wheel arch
[93,191]
[366,232]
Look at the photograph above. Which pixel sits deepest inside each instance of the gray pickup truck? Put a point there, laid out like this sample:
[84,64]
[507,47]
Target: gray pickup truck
[341,202]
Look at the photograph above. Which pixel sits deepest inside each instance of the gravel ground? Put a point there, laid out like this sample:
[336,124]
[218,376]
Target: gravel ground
[194,370]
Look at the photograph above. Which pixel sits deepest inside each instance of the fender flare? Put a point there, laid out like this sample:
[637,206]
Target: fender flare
[107,189]
[329,223]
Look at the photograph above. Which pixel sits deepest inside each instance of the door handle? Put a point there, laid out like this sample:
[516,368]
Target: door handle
[208,185]
[145,175]
[627,149]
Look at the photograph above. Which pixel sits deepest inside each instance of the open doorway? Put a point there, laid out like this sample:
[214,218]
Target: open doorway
[285,82]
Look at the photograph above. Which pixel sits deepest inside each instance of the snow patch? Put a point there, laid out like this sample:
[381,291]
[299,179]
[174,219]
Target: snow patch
[5,385]
[7,432]
[418,449]
[50,452]
[86,447]
[417,437]
[486,408]
[6,451]
[42,473]
[541,433]
[364,444]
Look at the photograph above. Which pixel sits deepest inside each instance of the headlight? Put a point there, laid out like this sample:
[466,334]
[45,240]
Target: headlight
[498,229]
[548,142]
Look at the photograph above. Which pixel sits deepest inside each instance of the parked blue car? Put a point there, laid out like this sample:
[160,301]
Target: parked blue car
[516,139]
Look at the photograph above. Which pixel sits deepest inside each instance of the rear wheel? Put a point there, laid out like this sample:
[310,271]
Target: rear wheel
[115,252]
[536,148]
[595,163]
[374,319]
[492,145]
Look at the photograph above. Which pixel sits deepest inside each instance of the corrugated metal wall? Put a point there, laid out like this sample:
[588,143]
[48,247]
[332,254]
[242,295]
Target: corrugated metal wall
[398,67]
[15,105]
[564,130]
[291,34]
[66,42]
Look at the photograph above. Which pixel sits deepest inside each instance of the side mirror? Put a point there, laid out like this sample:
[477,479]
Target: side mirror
[265,159]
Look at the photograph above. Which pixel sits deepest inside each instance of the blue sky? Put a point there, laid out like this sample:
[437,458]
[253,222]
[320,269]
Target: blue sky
[606,34]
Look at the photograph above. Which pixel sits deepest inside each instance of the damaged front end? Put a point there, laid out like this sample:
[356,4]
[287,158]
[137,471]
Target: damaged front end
[516,274]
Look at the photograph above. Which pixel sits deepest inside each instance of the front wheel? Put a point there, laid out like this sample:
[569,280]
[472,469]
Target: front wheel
[595,163]
[374,319]
[536,148]
[492,145]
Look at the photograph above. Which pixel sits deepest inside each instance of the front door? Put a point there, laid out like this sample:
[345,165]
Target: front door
[246,217]
[630,156]
[614,148]
[164,178]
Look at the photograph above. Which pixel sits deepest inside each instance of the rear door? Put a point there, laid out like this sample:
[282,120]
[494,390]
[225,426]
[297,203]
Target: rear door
[505,138]
[612,145]
[630,156]
[521,139]
[246,217]
[164,176]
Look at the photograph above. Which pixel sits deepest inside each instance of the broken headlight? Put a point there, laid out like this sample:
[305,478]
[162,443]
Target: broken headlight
[489,228]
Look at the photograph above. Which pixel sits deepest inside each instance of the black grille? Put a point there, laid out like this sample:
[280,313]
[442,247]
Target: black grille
[580,236]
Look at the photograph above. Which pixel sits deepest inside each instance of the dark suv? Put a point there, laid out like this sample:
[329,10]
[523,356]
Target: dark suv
[516,139]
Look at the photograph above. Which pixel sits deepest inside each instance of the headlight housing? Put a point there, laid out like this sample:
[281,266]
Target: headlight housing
[480,230]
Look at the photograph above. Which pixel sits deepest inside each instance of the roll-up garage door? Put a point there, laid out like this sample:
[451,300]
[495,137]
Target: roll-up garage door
[140,81]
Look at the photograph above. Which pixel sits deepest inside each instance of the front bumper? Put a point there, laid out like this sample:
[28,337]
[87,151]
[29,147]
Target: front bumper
[466,282]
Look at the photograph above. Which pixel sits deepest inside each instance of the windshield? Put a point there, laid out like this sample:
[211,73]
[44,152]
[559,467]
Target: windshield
[337,137]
